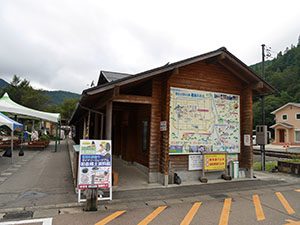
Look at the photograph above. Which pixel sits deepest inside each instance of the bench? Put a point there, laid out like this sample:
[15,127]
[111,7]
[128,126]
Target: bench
[38,144]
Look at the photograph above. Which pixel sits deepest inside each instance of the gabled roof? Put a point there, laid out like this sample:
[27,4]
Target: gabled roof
[221,56]
[287,104]
[109,76]
[229,59]
[286,125]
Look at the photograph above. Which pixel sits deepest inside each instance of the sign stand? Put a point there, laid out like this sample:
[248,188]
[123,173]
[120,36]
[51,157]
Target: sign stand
[95,169]
[213,162]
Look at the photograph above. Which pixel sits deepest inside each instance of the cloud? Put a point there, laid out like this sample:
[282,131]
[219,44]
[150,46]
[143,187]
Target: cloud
[64,44]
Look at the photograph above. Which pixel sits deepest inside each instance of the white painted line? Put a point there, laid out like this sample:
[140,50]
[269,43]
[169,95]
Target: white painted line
[6,174]
[3,179]
[45,221]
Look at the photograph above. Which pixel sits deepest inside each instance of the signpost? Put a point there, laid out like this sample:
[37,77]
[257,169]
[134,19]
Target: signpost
[95,167]
[213,161]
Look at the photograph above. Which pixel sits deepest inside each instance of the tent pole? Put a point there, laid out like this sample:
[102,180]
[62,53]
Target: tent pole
[56,138]
[59,132]
[12,144]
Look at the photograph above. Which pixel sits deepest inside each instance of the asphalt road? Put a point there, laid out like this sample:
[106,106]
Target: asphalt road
[274,205]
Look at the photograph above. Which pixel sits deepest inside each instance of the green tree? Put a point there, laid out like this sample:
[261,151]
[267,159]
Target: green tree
[23,93]
[65,109]
[283,73]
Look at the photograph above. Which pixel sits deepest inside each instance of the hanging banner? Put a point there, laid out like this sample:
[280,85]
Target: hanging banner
[214,162]
[95,164]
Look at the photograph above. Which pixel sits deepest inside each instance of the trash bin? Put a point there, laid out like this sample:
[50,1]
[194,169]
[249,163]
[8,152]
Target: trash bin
[234,169]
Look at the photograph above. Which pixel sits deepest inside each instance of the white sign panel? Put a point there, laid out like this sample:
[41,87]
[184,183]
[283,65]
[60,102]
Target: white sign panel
[163,125]
[195,162]
[247,140]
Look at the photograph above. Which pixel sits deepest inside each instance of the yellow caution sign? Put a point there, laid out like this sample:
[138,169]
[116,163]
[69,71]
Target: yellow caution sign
[214,162]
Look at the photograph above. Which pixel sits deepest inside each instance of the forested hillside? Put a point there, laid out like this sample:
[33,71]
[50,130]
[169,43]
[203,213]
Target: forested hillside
[21,91]
[283,73]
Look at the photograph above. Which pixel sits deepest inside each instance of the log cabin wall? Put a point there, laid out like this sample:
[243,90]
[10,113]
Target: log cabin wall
[165,105]
[215,78]
[154,145]
[246,155]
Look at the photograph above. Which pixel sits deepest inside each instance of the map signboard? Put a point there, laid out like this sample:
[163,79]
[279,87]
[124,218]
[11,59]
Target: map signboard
[95,164]
[202,121]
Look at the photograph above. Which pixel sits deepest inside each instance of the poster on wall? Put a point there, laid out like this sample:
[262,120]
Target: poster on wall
[95,164]
[202,121]
[195,162]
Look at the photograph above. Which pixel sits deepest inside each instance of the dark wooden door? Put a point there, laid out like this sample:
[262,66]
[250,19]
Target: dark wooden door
[281,136]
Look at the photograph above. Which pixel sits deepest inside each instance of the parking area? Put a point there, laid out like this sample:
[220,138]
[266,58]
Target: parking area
[260,207]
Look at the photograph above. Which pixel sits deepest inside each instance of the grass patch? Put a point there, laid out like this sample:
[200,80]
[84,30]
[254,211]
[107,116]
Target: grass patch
[295,160]
[269,165]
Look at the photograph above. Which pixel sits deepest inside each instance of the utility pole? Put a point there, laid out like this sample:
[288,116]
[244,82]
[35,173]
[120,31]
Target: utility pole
[263,114]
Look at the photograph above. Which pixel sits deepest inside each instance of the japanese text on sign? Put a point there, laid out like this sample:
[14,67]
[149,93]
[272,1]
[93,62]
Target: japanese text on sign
[214,162]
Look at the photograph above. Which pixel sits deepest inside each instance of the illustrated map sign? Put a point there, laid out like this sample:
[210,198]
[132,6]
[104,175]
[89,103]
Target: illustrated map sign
[195,162]
[214,162]
[95,164]
[202,121]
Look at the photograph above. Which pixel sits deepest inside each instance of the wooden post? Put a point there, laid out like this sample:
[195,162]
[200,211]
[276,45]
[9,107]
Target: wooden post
[246,155]
[96,126]
[108,120]
[102,126]
[56,137]
[84,128]
[88,126]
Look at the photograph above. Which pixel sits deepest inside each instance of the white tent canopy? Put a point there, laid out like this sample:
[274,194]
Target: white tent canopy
[8,105]
[13,125]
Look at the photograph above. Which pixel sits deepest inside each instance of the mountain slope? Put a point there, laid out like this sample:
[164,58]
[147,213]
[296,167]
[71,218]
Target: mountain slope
[283,73]
[57,97]
[3,83]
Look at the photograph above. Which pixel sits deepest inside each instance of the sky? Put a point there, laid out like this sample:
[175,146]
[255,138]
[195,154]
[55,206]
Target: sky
[63,44]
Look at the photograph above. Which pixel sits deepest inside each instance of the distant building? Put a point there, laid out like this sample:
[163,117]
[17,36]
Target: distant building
[287,126]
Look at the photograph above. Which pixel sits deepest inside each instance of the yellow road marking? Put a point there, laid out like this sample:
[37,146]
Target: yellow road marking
[285,203]
[110,218]
[298,190]
[152,215]
[258,209]
[190,215]
[292,222]
[225,212]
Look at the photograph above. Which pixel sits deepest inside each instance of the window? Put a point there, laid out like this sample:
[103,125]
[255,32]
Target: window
[298,116]
[284,117]
[297,136]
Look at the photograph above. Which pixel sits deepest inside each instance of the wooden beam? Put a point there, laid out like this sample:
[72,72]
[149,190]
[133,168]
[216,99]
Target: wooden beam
[233,71]
[175,71]
[108,120]
[133,99]
[116,90]
[258,86]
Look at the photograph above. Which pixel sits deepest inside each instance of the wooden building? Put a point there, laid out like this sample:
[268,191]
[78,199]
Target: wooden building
[138,112]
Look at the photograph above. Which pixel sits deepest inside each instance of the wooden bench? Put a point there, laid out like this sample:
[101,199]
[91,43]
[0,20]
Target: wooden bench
[7,144]
[37,144]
